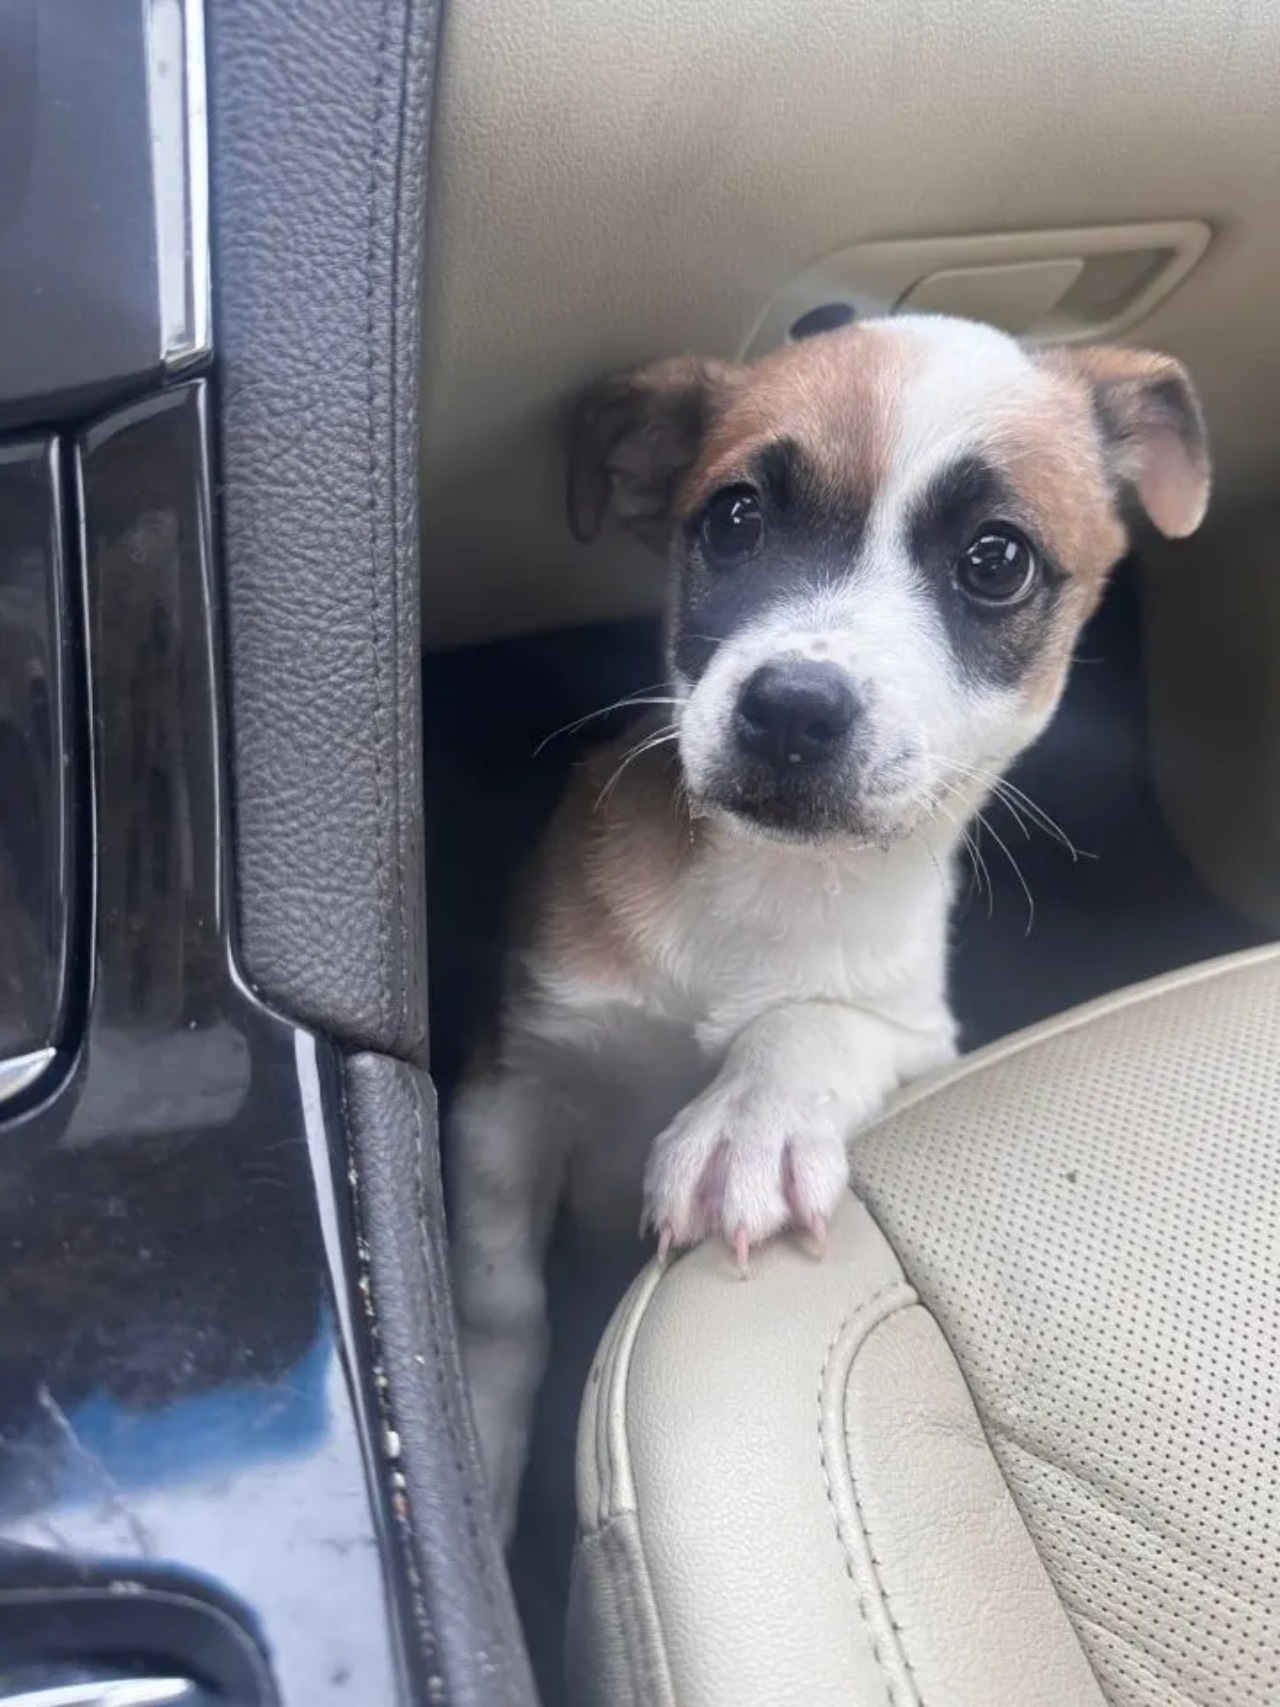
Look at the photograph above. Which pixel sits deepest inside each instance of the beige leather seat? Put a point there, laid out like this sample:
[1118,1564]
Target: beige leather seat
[1015,1442]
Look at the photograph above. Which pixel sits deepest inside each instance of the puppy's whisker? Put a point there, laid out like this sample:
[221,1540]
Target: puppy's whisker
[989,785]
[642,696]
[1040,816]
[1016,804]
[643,746]
[981,871]
[981,875]
[977,861]
[1015,801]
[1017,870]
[1011,807]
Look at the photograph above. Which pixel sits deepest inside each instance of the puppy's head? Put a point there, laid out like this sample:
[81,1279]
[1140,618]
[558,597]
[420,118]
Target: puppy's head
[883,543]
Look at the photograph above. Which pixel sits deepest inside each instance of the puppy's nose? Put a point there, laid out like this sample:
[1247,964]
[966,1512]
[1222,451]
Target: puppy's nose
[794,712]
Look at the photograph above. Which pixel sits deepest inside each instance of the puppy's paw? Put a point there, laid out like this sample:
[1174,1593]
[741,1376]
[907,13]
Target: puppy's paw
[743,1164]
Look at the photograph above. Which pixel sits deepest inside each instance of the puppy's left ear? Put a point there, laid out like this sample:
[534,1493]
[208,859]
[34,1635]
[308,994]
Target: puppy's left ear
[1152,430]
[632,438]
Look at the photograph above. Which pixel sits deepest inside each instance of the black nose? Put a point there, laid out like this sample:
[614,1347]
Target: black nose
[795,712]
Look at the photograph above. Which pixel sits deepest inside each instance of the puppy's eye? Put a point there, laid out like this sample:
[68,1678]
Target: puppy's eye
[732,526]
[999,568]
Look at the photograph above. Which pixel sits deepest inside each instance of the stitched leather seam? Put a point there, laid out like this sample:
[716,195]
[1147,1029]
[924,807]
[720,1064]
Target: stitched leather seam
[447,1409]
[652,1661]
[866,1527]
[382,850]
[403,972]
[905,1297]
[626,1624]
[645,1655]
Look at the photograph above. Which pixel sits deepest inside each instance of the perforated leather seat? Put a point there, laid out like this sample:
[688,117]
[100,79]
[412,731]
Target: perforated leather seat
[1015,1442]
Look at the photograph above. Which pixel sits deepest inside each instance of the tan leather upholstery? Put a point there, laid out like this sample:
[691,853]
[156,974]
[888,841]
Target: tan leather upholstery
[1016,1441]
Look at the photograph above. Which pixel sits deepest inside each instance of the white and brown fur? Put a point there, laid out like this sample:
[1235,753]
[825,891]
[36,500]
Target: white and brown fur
[727,968]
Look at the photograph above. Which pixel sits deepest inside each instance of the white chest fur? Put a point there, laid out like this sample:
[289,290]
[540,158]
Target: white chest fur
[752,926]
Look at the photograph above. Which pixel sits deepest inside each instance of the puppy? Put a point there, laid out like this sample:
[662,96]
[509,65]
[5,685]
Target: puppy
[882,545]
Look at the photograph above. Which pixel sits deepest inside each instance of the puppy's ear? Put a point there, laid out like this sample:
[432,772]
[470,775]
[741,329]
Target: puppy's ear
[632,438]
[1152,429]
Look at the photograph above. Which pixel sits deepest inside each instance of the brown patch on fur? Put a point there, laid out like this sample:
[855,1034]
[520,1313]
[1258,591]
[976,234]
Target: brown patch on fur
[630,438]
[835,397]
[615,850]
[1148,416]
[1047,448]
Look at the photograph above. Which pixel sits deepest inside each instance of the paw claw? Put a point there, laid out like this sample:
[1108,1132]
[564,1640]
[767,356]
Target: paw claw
[782,1169]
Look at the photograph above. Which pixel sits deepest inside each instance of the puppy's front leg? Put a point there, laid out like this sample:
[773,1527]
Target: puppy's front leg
[507,1168]
[763,1148]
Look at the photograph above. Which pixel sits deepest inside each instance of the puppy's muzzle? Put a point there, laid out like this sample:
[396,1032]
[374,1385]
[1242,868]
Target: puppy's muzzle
[795,712]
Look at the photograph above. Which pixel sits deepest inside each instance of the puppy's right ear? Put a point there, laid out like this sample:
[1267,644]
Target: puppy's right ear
[633,437]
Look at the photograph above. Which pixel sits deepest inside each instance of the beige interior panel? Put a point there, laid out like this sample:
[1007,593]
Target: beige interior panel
[615,182]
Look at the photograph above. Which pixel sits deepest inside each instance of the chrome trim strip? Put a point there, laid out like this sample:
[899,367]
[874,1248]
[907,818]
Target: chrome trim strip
[176,101]
[17,1074]
[110,1692]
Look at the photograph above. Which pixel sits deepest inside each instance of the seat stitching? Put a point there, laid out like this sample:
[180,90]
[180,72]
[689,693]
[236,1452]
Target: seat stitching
[616,1570]
[375,611]
[906,1299]
[866,1528]
[393,418]
[636,1666]
[405,282]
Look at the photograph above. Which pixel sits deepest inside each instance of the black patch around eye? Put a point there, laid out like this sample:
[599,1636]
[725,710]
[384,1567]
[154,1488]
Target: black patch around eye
[811,539]
[775,469]
[994,644]
[952,508]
